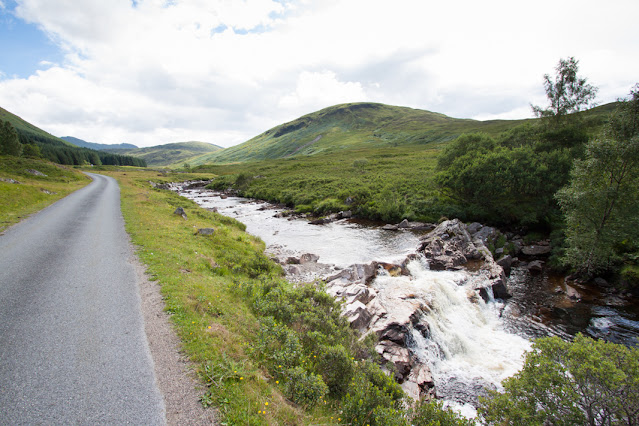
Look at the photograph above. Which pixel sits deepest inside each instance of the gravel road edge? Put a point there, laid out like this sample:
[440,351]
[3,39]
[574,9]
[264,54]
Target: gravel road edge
[174,372]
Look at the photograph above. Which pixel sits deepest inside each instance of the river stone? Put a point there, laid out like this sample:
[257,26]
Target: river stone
[536,266]
[357,315]
[308,258]
[398,355]
[536,250]
[403,224]
[506,263]
[390,227]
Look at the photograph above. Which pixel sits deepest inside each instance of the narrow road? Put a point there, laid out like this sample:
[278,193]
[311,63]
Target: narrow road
[72,342]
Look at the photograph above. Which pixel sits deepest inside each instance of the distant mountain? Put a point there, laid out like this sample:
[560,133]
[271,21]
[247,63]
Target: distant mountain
[171,154]
[359,126]
[97,146]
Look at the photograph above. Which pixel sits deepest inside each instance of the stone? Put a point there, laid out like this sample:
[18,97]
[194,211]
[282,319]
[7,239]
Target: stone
[398,355]
[536,267]
[572,293]
[357,315]
[9,180]
[206,231]
[180,212]
[601,282]
[390,227]
[506,263]
[345,214]
[536,250]
[35,172]
[359,292]
[403,224]
[474,227]
[308,258]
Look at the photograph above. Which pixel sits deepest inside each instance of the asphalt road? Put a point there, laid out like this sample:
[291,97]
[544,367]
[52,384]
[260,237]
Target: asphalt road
[72,343]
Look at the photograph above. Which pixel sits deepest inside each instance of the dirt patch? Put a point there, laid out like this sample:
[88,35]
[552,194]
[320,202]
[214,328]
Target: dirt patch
[174,373]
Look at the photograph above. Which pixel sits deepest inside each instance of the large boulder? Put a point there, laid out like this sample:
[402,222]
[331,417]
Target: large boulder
[449,246]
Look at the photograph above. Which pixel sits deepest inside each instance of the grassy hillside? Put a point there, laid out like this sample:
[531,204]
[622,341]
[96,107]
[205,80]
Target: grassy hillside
[33,192]
[26,128]
[354,126]
[171,154]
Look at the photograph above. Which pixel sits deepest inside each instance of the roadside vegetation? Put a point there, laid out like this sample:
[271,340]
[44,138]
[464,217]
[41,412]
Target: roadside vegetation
[23,193]
[271,352]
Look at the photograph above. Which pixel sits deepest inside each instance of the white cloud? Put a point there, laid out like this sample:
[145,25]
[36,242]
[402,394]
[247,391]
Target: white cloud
[226,70]
[317,90]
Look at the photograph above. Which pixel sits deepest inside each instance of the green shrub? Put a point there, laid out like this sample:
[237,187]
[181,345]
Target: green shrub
[433,413]
[371,395]
[336,367]
[304,388]
[567,383]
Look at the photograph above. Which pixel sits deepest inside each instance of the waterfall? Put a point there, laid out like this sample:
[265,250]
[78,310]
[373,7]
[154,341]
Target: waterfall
[465,345]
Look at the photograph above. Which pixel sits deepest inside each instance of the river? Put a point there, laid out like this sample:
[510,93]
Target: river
[472,345]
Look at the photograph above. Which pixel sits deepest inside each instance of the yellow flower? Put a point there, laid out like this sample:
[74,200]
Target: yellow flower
[266,403]
[277,382]
[241,378]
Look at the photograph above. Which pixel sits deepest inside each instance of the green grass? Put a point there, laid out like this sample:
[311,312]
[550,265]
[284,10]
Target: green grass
[20,200]
[379,183]
[271,353]
[199,276]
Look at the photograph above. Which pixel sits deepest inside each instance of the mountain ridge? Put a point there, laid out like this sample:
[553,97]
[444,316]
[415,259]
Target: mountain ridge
[97,146]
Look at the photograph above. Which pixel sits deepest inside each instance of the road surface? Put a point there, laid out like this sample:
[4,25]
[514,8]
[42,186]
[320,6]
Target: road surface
[72,342]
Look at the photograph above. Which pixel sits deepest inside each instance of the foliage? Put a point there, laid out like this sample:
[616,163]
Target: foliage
[562,383]
[511,180]
[601,203]
[433,413]
[568,93]
[9,141]
[304,388]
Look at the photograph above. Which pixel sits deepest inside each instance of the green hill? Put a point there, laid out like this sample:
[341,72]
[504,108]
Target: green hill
[171,154]
[60,151]
[353,126]
[361,126]
[25,128]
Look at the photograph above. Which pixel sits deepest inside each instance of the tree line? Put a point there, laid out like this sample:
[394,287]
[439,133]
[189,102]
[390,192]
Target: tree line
[18,142]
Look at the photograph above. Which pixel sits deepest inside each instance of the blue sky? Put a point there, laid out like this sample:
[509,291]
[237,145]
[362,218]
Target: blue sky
[155,71]
[24,46]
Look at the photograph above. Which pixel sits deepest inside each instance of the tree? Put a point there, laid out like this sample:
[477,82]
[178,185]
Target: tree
[9,140]
[567,94]
[601,204]
[585,382]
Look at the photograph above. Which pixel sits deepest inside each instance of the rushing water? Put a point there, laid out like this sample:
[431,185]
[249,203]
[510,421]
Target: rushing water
[470,345]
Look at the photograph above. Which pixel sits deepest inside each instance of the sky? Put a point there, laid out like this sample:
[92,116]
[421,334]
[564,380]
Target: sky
[150,72]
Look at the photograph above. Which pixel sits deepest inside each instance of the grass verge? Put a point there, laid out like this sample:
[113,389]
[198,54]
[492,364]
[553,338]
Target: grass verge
[270,352]
[34,192]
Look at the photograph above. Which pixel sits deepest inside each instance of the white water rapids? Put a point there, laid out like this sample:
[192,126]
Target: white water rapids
[466,345]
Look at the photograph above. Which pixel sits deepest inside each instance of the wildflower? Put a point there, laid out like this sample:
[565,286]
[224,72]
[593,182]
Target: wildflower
[266,403]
